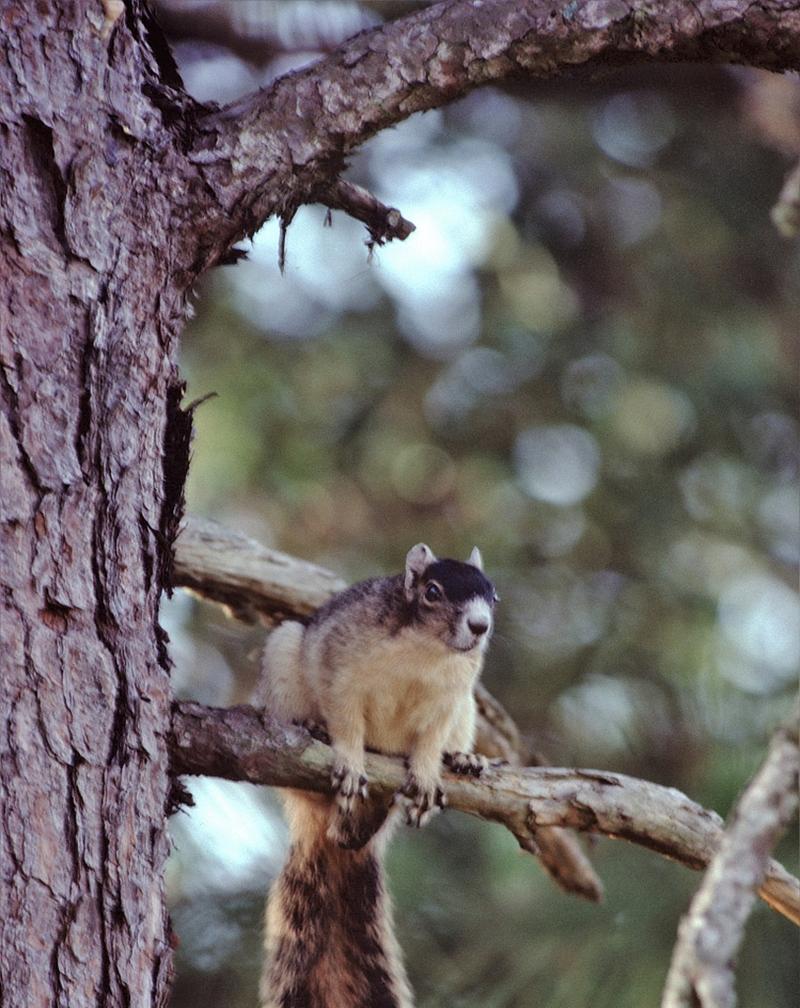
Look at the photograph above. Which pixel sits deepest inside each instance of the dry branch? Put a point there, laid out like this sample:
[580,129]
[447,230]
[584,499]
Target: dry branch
[255,583]
[259,584]
[237,744]
[274,150]
[383,223]
[709,936]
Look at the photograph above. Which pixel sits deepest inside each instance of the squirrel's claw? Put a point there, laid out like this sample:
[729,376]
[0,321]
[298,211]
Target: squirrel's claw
[350,785]
[420,802]
[472,764]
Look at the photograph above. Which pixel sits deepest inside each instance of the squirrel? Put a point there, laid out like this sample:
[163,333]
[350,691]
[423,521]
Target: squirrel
[388,664]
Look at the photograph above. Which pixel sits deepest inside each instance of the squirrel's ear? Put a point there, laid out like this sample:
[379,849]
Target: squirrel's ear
[475,558]
[417,559]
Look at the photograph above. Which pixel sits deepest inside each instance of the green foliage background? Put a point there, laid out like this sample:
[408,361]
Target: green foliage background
[635,291]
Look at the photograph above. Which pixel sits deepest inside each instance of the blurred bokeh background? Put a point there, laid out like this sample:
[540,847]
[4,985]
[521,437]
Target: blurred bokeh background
[583,360]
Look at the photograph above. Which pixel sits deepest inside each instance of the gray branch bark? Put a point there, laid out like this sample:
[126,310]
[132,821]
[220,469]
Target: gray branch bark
[272,151]
[701,973]
[237,744]
[253,582]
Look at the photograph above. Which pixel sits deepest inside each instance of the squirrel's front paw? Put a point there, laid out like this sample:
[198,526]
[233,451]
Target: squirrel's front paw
[349,785]
[419,800]
[466,763]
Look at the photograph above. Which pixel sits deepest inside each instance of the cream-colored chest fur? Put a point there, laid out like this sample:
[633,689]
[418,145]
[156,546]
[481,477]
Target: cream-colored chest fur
[405,685]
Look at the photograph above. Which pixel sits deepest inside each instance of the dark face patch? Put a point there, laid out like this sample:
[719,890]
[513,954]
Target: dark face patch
[460,581]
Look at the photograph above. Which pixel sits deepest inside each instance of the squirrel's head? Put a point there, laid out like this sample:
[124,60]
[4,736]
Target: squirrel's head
[452,599]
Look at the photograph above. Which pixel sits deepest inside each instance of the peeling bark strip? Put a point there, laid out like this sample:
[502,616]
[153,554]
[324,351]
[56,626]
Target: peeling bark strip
[701,973]
[235,743]
[272,151]
[254,582]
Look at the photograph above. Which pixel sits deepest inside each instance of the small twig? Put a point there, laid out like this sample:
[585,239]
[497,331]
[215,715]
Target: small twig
[383,223]
[237,744]
[701,973]
[284,227]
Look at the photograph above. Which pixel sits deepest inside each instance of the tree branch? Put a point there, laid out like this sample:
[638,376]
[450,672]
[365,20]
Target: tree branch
[254,583]
[383,223]
[237,744]
[259,584]
[274,150]
[701,973]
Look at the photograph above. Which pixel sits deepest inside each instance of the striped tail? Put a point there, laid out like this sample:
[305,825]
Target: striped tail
[330,939]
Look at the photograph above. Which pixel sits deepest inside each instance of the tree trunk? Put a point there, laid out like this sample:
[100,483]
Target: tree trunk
[94,451]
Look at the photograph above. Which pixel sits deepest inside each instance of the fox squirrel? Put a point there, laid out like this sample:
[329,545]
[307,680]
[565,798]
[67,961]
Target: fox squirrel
[388,664]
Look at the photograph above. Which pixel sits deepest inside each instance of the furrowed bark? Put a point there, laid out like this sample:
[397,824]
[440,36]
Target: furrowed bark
[94,452]
[235,743]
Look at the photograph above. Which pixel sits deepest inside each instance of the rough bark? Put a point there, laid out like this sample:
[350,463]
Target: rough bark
[94,450]
[237,744]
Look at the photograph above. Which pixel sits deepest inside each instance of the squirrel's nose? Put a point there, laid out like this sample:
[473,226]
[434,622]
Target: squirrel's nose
[478,627]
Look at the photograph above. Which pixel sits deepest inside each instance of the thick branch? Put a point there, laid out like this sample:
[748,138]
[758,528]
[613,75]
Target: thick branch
[273,150]
[237,744]
[701,972]
[256,583]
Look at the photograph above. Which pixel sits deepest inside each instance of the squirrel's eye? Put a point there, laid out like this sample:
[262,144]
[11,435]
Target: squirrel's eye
[433,593]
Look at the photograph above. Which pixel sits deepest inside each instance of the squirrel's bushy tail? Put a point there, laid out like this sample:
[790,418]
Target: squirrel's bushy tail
[329,939]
